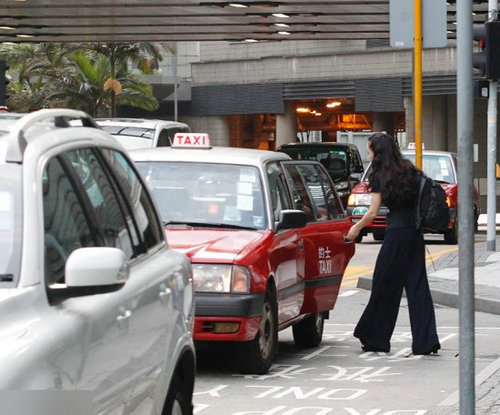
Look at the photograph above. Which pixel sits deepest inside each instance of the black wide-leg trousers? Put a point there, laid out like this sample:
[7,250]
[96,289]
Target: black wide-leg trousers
[400,264]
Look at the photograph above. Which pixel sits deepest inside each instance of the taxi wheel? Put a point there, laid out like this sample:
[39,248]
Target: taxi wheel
[451,235]
[359,239]
[256,356]
[309,332]
[379,235]
[177,400]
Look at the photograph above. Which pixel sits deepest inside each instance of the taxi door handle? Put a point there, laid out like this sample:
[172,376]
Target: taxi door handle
[348,241]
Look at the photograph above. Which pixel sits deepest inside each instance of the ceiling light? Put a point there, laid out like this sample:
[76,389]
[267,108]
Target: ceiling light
[284,33]
[7,28]
[303,110]
[318,114]
[333,104]
[281,15]
[281,25]
[251,40]
[25,36]
[237,5]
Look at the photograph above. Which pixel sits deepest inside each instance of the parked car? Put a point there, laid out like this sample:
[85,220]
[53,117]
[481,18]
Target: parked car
[440,166]
[91,296]
[136,133]
[341,160]
[266,237]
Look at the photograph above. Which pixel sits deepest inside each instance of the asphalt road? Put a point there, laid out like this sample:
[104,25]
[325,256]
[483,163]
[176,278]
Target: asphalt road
[337,377]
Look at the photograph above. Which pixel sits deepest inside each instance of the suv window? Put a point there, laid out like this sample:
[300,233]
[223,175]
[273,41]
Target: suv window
[136,196]
[11,224]
[80,210]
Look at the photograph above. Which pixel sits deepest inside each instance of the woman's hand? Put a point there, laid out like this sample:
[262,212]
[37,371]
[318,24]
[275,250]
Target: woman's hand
[353,233]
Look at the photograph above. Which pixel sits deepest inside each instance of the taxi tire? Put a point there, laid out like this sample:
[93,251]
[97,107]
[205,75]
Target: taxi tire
[177,402]
[379,235]
[250,356]
[309,331]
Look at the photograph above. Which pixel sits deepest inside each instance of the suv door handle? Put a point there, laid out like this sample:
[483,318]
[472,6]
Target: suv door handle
[348,241]
[123,318]
[164,294]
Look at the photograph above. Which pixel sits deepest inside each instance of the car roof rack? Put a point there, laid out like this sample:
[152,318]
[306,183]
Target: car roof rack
[17,143]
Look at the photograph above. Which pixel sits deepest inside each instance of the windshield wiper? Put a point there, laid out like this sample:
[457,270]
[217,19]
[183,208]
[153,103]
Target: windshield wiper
[208,225]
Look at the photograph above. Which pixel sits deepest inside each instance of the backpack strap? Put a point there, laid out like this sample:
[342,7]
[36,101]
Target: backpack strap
[418,219]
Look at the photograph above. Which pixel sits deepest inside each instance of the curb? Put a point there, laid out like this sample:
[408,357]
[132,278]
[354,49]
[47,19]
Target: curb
[481,304]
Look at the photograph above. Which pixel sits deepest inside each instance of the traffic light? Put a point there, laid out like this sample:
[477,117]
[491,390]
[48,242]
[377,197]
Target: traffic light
[4,81]
[488,59]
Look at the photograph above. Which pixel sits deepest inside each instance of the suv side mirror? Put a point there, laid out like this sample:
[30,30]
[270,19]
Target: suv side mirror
[291,219]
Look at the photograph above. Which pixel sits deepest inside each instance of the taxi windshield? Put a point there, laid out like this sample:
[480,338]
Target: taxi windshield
[437,167]
[10,224]
[203,194]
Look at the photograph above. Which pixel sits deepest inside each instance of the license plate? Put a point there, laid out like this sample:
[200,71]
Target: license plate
[360,210]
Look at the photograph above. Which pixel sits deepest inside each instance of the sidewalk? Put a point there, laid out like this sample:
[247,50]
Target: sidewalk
[443,282]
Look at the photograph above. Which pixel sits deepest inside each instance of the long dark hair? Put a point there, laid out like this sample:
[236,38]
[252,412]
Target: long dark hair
[398,177]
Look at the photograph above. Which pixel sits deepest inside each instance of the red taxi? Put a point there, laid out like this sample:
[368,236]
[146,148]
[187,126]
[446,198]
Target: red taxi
[440,166]
[266,238]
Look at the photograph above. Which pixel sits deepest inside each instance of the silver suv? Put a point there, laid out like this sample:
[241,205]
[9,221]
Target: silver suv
[91,296]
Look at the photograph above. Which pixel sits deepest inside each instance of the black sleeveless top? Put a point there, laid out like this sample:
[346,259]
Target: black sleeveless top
[401,215]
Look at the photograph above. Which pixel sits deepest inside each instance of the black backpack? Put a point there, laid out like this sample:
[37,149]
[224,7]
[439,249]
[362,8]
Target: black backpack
[432,212]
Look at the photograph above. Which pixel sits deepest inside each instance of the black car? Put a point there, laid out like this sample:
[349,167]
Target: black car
[341,160]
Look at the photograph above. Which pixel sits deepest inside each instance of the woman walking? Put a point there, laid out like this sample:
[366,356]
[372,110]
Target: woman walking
[400,264]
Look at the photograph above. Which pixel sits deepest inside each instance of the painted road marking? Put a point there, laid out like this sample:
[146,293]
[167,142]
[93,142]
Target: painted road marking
[354,272]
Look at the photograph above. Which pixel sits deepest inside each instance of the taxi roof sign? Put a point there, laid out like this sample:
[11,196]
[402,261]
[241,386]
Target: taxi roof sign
[412,146]
[191,140]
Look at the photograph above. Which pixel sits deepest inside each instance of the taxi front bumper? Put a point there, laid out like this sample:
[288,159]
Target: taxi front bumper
[227,317]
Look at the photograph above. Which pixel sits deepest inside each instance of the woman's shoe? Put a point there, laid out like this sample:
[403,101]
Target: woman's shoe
[369,348]
[433,350]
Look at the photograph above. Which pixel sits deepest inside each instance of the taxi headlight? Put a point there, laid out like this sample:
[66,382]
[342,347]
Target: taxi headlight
[221,278]
[359,199]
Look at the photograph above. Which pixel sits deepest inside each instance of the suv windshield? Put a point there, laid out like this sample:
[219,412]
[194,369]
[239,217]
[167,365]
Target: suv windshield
[206,193]
[335,161]
[10,223]
[129,131]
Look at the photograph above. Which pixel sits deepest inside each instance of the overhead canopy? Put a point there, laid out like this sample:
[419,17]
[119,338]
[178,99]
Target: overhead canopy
[190,20]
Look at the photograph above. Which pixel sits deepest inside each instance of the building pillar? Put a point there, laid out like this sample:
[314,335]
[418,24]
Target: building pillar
[286,125]
[383,121]
[434,122]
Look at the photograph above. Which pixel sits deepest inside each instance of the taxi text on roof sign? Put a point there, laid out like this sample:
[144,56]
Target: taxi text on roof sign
[191,140]
[412,146]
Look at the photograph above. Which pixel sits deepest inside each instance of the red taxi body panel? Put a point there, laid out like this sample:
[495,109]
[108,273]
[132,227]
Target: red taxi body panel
[266,239]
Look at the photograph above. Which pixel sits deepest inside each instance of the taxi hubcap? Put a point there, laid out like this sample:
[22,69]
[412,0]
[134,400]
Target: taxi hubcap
[266,331]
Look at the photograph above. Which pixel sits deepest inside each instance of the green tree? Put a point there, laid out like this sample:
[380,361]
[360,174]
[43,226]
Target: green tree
[92,76]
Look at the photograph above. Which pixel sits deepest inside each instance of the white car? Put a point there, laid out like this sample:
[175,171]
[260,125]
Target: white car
[91,296]
[135,133]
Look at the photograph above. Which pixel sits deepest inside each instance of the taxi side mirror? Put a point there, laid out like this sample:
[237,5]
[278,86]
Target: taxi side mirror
[291,219]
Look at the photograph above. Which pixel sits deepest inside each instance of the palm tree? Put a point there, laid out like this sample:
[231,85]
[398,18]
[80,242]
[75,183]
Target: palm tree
[122,54]
[94,76]
[90,87]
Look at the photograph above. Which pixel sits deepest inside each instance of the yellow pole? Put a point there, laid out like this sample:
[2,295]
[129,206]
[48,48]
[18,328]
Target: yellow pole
[417,87]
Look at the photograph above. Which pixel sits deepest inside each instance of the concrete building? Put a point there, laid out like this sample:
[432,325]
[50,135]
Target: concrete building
[250,94]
